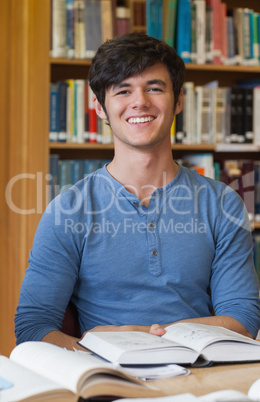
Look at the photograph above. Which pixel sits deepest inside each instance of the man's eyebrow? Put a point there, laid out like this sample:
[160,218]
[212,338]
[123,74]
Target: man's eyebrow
[125,84]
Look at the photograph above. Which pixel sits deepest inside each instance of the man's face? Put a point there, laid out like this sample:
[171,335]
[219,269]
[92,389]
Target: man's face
[140,109]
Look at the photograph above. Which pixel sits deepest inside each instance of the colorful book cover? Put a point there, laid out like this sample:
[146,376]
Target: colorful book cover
[183,33]
[154,18]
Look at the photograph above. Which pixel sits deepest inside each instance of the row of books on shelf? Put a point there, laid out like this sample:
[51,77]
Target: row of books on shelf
[66,172]
[206,31]
[213,114]
[243,175]
[72,114]
[79,27]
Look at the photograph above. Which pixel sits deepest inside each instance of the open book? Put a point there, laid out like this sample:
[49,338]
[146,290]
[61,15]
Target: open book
[183,343]
[41,371]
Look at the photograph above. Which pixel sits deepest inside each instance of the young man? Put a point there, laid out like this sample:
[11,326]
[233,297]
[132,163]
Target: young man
[141,241]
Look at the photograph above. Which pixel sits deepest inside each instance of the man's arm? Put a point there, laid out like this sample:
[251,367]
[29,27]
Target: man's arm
[69,342]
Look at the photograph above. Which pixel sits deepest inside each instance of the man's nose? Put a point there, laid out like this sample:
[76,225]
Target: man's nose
[141,99]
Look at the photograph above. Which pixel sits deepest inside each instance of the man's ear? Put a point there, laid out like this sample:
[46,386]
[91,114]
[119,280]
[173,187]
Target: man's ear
[99,109]
[179,105]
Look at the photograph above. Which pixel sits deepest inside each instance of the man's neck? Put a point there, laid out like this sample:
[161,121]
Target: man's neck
[141,173]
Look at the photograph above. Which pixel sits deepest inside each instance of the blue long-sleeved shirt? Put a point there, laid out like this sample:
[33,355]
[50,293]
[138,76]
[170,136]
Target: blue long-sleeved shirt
[187,254]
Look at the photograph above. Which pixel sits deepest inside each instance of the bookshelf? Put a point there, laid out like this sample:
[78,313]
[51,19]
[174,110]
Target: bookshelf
[26,73]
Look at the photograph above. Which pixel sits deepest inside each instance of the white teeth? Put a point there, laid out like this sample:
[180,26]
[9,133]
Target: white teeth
[138,120]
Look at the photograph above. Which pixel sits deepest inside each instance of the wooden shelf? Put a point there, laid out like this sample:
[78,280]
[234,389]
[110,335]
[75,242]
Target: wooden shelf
[223,68]
[72,62]
[182,147]
[88,145]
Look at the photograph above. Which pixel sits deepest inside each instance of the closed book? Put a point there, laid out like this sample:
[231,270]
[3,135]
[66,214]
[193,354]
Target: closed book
[62,111]
[58,29]
[138,14]
[179,134]
[93,27]
[70,28]
[200,31]
[107,21]
[53,185]
[217,32]
[170,10]
[54,112]
[154,18]
[221,114]
[237,115]
[79,29]
[122,20]
[70,109]
[92,117]
[183,30]
[80,110]
[86,113]
[256,115]
[188,112]
[209,32]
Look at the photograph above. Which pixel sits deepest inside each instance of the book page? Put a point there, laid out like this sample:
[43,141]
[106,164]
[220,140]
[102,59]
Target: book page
[62,366]
[25,383]
[198,336]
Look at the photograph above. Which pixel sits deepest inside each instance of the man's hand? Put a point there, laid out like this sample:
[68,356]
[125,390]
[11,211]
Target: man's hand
[155,329]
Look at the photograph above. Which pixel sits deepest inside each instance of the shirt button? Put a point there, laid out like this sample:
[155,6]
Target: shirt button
[155,252]
[136,203]
[151,225]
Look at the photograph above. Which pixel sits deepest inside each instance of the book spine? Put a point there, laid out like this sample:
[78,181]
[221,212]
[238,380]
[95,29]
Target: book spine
[221,107]
[193,54]
[54,112]
[256,38]
[248,115]
[86,113]
[139,13]
[201,30]
[223,10]
[70,28]
[74,112]
[80,119]
[217,32]
[188,110]
[170,25]
[106,20]
[198,114]
[53,185]
[256,115]
[179,134]
[209,32]
[154,18]
[122,20]
[183,35]
[93,27]
[92,117]
[62,94]
[79,29]
[58,43]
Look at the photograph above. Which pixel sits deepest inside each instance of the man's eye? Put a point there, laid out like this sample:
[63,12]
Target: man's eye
[124,92]
[155,89]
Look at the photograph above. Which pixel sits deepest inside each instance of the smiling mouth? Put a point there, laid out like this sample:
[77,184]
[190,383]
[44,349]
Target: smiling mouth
[140,120]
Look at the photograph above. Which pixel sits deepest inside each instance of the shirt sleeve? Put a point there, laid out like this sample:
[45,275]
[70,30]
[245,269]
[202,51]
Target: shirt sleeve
[50,277]
[234,283]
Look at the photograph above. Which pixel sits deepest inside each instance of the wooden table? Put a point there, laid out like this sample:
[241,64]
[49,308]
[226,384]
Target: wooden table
[215,378]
